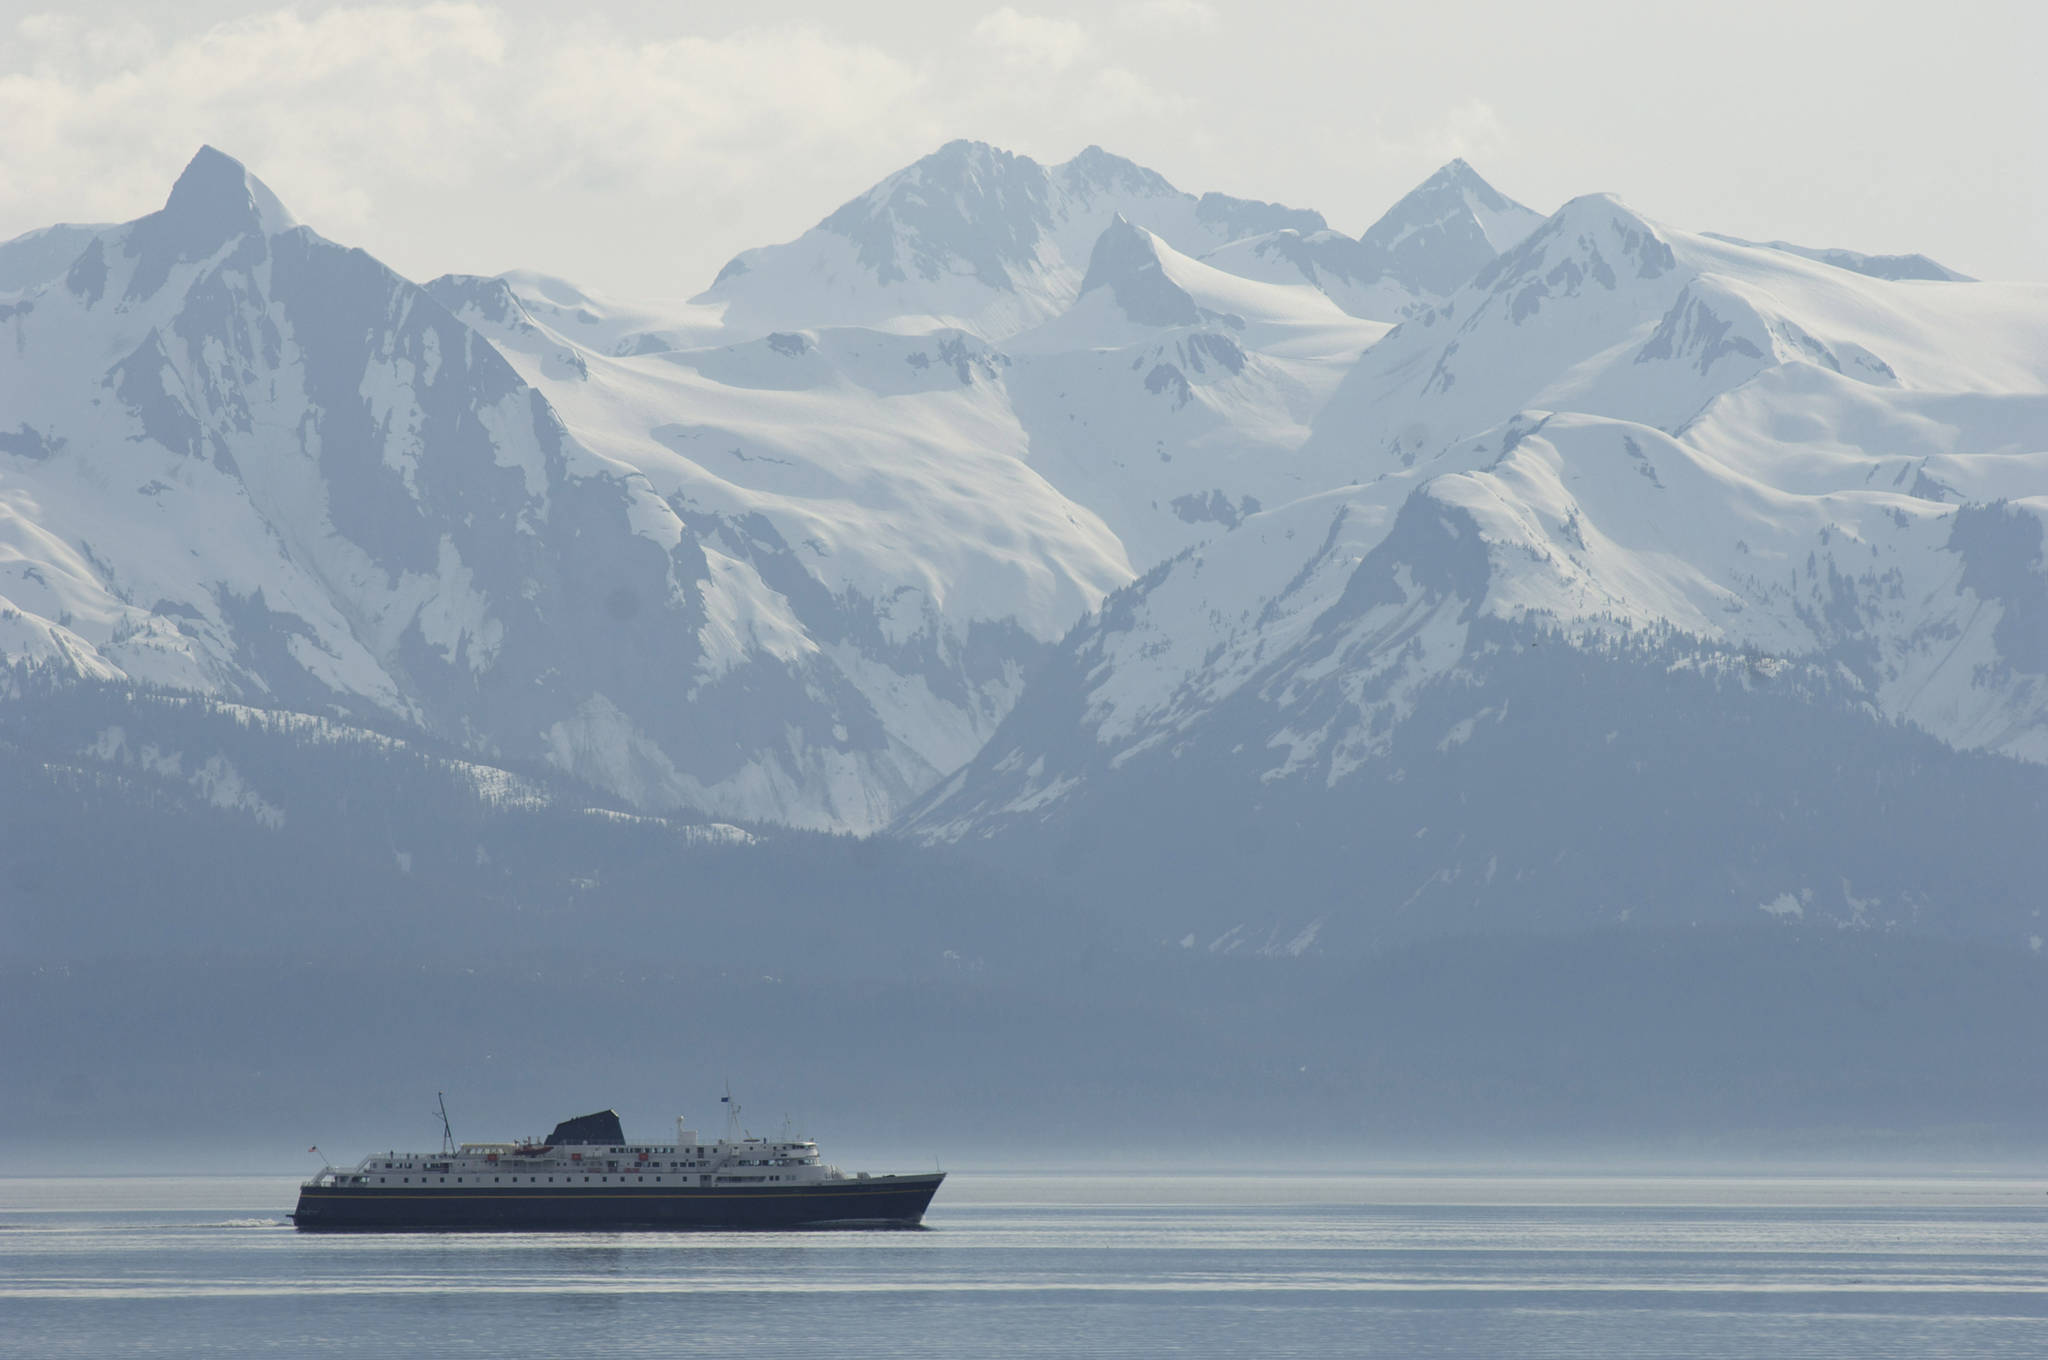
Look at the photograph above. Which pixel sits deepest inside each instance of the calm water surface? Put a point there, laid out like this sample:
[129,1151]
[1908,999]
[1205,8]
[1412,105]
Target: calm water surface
[1070,1265]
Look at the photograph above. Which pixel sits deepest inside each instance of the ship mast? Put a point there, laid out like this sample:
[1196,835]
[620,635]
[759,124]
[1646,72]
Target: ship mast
[447,1130]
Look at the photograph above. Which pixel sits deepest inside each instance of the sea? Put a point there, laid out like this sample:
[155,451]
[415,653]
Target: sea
[1021,1264]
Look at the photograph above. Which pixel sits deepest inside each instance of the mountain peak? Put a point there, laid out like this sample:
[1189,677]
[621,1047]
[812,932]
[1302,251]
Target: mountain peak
[1458,174]
[961,171]
[966,202]
[979,237]
[1454,189]
[1606,212]
[1126,261]
[1446,229]
[216,200]
[962,161]
[967,151]
[1590,228]
[216,197]
[1095,170]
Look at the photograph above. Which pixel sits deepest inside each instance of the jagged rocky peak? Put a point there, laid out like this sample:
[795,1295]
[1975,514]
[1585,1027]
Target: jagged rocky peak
[978,238]
[477,297]
[959,165]
[1594,236]
[214,202]
[1236,218]
[1126,261]
[1447,229]
[966,202]
[1456,183]
[1095,170]
[216,198]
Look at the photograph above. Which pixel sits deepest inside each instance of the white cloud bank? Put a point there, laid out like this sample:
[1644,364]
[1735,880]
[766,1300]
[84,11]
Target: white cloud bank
[525,134]
[443,97]
[638,158]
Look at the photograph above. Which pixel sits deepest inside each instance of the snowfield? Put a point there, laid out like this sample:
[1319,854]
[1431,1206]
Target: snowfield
[1617,430]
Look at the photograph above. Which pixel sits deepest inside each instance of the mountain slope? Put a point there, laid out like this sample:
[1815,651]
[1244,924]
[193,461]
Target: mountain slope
[943,485]
[1623,456]
[1171,398]
[1857,262]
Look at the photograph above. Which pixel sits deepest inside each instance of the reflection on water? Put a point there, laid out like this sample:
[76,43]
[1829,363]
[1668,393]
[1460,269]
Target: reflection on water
[1050,1264]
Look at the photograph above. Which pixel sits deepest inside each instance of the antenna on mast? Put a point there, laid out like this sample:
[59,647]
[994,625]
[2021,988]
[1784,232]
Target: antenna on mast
[733,1131]
[447,1130]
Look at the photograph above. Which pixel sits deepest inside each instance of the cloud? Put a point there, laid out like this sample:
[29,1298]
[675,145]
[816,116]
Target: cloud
[1051,74]
[1033,40]
[445,94]
[719,106]
[458,135]
[1114,94]
[1426,137]
[1472,130]
[1185,16]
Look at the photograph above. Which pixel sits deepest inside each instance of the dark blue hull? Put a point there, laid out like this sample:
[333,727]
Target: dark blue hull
[880,1201]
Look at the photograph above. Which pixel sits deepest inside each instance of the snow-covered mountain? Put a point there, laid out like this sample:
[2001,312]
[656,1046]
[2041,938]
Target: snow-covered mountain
[973,238]
[1631,501]
[791,552]
[1441,233]
[1037,330]
[244,461]
[856,544]
[1172,397]
[933,511]
[993,243]
[873,490]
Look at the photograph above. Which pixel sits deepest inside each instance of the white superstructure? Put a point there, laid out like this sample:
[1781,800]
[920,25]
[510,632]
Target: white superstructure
[688,1162]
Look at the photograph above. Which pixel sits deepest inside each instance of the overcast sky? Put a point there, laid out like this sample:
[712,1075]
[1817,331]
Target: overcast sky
[635,147]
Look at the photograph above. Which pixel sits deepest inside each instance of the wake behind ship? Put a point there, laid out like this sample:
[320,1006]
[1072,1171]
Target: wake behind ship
[586,1175]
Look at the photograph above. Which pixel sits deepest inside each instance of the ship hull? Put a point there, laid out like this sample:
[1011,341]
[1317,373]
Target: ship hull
[877,1202]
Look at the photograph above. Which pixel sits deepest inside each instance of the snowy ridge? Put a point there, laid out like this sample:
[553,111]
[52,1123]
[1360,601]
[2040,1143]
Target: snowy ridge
[38,256]
[790,552]
[1857,262]
[973,238]
[1616,433]
[1426,246]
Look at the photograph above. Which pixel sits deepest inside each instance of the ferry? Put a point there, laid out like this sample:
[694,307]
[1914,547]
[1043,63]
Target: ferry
[588,1175]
